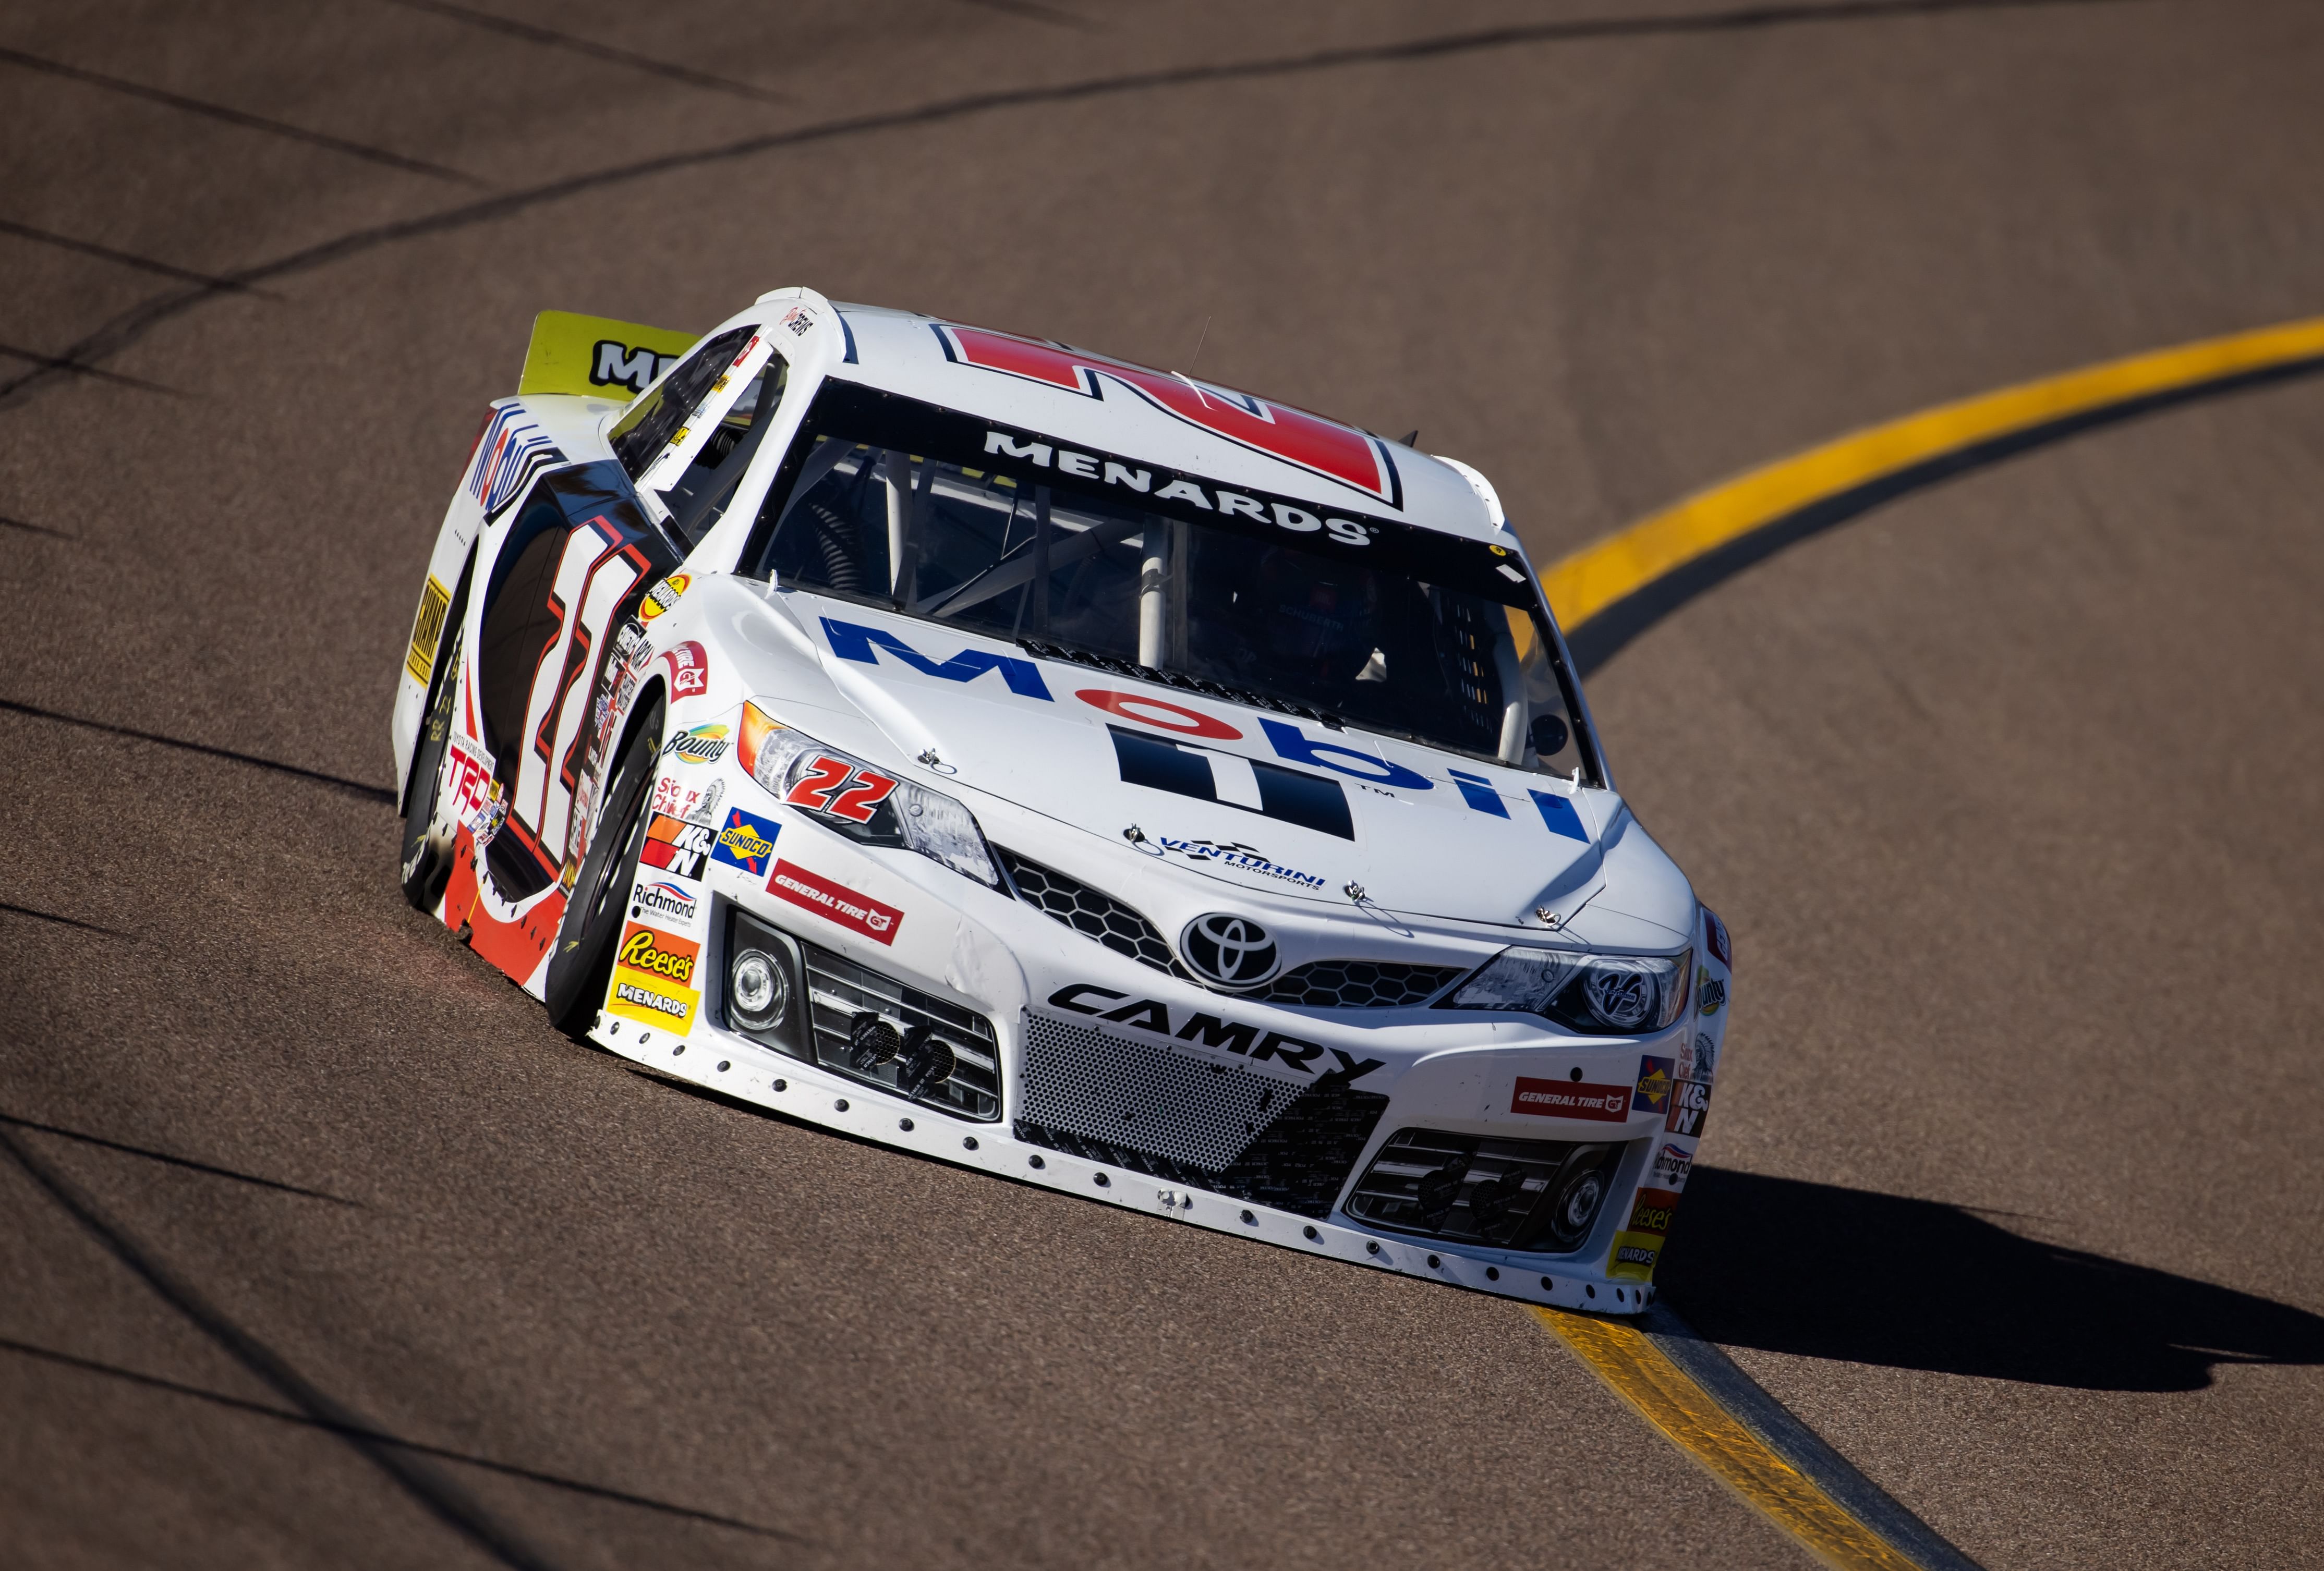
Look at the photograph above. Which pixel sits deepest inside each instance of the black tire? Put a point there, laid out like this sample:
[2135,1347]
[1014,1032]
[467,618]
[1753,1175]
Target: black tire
[583,960]
[426,864]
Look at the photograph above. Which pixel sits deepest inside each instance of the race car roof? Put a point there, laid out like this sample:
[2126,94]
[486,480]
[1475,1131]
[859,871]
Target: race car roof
[1163,417]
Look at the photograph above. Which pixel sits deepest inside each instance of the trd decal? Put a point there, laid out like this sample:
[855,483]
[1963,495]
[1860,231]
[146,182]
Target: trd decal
[1309,442]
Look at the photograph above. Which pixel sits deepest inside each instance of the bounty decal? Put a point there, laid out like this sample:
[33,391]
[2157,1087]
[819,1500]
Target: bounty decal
[1639,1243]
[1241,858]
[653,976]
[745,842]
[690,670]
[664,596]
[702,744]
[1709,989]
[1314,802]
[1571,1099]
[675,846]
[1207,1031]
[1321,446]
[509,452]
[435,600]
[664,898]
[851,641]
[834,902]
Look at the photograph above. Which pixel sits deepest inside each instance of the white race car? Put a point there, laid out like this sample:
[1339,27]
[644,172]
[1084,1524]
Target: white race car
[1067,770]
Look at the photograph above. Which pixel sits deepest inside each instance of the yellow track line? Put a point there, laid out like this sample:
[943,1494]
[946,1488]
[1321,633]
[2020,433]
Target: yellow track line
[1595,577]
[1628,1362]
[1583,584]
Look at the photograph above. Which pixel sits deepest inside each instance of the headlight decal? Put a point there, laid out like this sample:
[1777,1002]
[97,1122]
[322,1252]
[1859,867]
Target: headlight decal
[863,802]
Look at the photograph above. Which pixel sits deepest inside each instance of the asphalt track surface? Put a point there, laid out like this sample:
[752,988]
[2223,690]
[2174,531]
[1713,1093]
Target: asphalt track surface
[317,1247]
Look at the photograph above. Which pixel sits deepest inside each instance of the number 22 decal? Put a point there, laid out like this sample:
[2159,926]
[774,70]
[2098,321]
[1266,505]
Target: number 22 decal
[835,786]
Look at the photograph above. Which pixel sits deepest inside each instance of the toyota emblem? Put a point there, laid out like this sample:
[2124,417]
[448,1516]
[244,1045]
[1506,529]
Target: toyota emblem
[1232,951]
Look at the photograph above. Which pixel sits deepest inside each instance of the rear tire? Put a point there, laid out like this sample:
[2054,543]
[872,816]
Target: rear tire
[582,960]
[426,856]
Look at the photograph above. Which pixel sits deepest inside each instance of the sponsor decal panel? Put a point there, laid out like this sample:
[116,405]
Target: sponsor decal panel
[653,980]
[675,846]
[1697,1060]
[1654,1089]
[1234,854]
[702,744]
[798,319]
[690,670]
[834,902]
[1670,1167]
[426,630]
[694,804]
[1639,1245]
[1689,1102]
[1715,934]
[1571,1100]
[745,842]
[664,596]
[1203,1030]
[666,898]
[478,800]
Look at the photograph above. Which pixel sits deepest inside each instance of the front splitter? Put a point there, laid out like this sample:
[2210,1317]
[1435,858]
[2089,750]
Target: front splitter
[735,1067]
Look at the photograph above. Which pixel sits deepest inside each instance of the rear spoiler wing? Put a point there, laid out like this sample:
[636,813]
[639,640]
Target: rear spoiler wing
[596,356]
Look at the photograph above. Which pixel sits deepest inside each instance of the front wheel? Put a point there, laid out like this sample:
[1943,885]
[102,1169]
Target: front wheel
[425,858]
[583,960]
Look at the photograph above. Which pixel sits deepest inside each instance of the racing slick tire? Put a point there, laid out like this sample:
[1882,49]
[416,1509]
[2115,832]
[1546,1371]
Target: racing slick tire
[582,960]
[425,857]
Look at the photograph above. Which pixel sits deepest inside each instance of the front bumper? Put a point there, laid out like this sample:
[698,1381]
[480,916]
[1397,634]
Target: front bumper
[1067,1014]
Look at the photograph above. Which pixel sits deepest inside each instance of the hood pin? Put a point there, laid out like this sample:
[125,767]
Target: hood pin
[1549,919]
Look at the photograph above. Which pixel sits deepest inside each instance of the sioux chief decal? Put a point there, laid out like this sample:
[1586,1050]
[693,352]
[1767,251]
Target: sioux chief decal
[1316,445]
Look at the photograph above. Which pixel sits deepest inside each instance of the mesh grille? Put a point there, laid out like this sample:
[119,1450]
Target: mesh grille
[1089,912]
[1537,1195]
[839,990]
[1358,985]
[1084,1082]
[1222,1129]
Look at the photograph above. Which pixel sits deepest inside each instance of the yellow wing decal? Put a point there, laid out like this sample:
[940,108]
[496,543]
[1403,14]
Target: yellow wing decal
[596,355]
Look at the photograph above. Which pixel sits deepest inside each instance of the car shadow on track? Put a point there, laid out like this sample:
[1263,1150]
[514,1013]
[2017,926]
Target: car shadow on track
[1830,1273]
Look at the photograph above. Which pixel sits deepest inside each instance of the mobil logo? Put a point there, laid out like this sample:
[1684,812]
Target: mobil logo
[1320,446]
[865,645]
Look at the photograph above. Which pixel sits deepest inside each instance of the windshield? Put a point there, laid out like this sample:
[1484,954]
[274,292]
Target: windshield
[1358,620]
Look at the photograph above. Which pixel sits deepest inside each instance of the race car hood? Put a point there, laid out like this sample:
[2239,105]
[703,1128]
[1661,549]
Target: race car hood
[1214,789]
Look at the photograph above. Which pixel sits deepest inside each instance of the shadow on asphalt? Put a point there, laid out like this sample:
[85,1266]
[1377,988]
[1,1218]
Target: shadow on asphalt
[1830,1273]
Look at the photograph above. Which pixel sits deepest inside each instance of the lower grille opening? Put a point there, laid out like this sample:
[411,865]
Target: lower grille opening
[1538,1196]
[930,1051]
[1190,1121]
